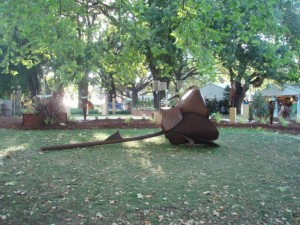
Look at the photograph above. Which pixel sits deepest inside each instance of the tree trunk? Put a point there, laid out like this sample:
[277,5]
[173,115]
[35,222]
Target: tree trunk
[82,91]
[33,84]
[239,97]
[158,96]
[134,95]
[112,93]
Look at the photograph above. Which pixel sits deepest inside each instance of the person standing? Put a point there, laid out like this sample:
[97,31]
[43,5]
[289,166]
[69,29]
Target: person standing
[271,111]
[84,103]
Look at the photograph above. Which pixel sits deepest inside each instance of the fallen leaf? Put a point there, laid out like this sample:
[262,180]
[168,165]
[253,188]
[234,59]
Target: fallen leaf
[3,217]
[220,209]
[148,196]
[100,216]
[160,218]
[11,183]
[140,196]
[20,172]
[216,213]
[278,221]
[282,189]
[147,222]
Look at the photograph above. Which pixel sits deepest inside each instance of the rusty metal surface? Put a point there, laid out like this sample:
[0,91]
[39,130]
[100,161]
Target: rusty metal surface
[191,101]
[194,126]
[171,117]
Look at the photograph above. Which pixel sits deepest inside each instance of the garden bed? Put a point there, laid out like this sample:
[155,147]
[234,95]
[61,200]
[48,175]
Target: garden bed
[16,123]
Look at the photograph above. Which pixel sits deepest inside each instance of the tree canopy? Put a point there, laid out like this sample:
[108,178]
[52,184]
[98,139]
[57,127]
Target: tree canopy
[132,42]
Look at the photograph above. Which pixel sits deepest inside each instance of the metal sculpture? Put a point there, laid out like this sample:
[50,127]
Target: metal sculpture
[187,122]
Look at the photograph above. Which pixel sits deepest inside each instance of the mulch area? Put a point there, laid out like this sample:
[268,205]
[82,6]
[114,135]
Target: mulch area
[291,128]
[17,123]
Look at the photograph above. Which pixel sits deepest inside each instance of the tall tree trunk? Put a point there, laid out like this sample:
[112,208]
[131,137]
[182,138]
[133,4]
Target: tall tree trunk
[239,96]
[33,80]
[82,91]
[112,93]
[134,95]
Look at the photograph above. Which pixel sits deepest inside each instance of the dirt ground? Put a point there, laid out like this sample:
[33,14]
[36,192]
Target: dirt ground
[17,123]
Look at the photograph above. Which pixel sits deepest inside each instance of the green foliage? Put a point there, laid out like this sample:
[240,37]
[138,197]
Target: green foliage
[284,122]
[49,121]
[144,104]
[48,110]
[216,117]
[215,106]
[212,106]
[240,119]
[128,120]
[260,108]
[262,120]
[122,40]
[77,111]
[121,112]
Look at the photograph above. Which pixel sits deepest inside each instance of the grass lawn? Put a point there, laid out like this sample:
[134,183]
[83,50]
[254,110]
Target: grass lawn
[252,178]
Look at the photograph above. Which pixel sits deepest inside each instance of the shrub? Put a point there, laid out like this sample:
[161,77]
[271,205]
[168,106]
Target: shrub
[77,111]
[283,121]
[216,117]
[121,112]
[214,106]
[48,110]
[128,120]
[260,108]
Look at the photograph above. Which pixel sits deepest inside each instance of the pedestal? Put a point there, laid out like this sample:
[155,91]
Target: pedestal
[104,108]
[232,115]
[114,105]
[246,111]
[157,117]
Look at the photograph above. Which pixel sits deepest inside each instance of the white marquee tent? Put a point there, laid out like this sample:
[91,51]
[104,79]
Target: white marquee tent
[213,91]
[287,91]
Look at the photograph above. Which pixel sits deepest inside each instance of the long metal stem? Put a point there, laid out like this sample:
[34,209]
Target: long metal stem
[93,143]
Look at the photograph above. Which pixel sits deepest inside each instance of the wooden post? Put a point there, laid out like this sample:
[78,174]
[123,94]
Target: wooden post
[246,111]
[114,105]
[105,106]
[157,117]
[232,115]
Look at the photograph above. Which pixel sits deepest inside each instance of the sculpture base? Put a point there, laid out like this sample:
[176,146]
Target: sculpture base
[246,111]
[232,115]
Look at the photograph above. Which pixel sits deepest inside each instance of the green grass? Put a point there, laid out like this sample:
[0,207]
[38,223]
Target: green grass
[252,178]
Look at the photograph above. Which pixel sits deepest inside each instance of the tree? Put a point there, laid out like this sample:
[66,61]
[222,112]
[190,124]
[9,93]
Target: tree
[234,35]
[58,33]
[150,28]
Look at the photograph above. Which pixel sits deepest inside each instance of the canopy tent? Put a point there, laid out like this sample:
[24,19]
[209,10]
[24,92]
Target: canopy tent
[213,91]
[272,91]
[287,91]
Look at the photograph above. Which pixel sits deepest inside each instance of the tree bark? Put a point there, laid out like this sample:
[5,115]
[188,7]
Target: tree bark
[239,95]
[134,95]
